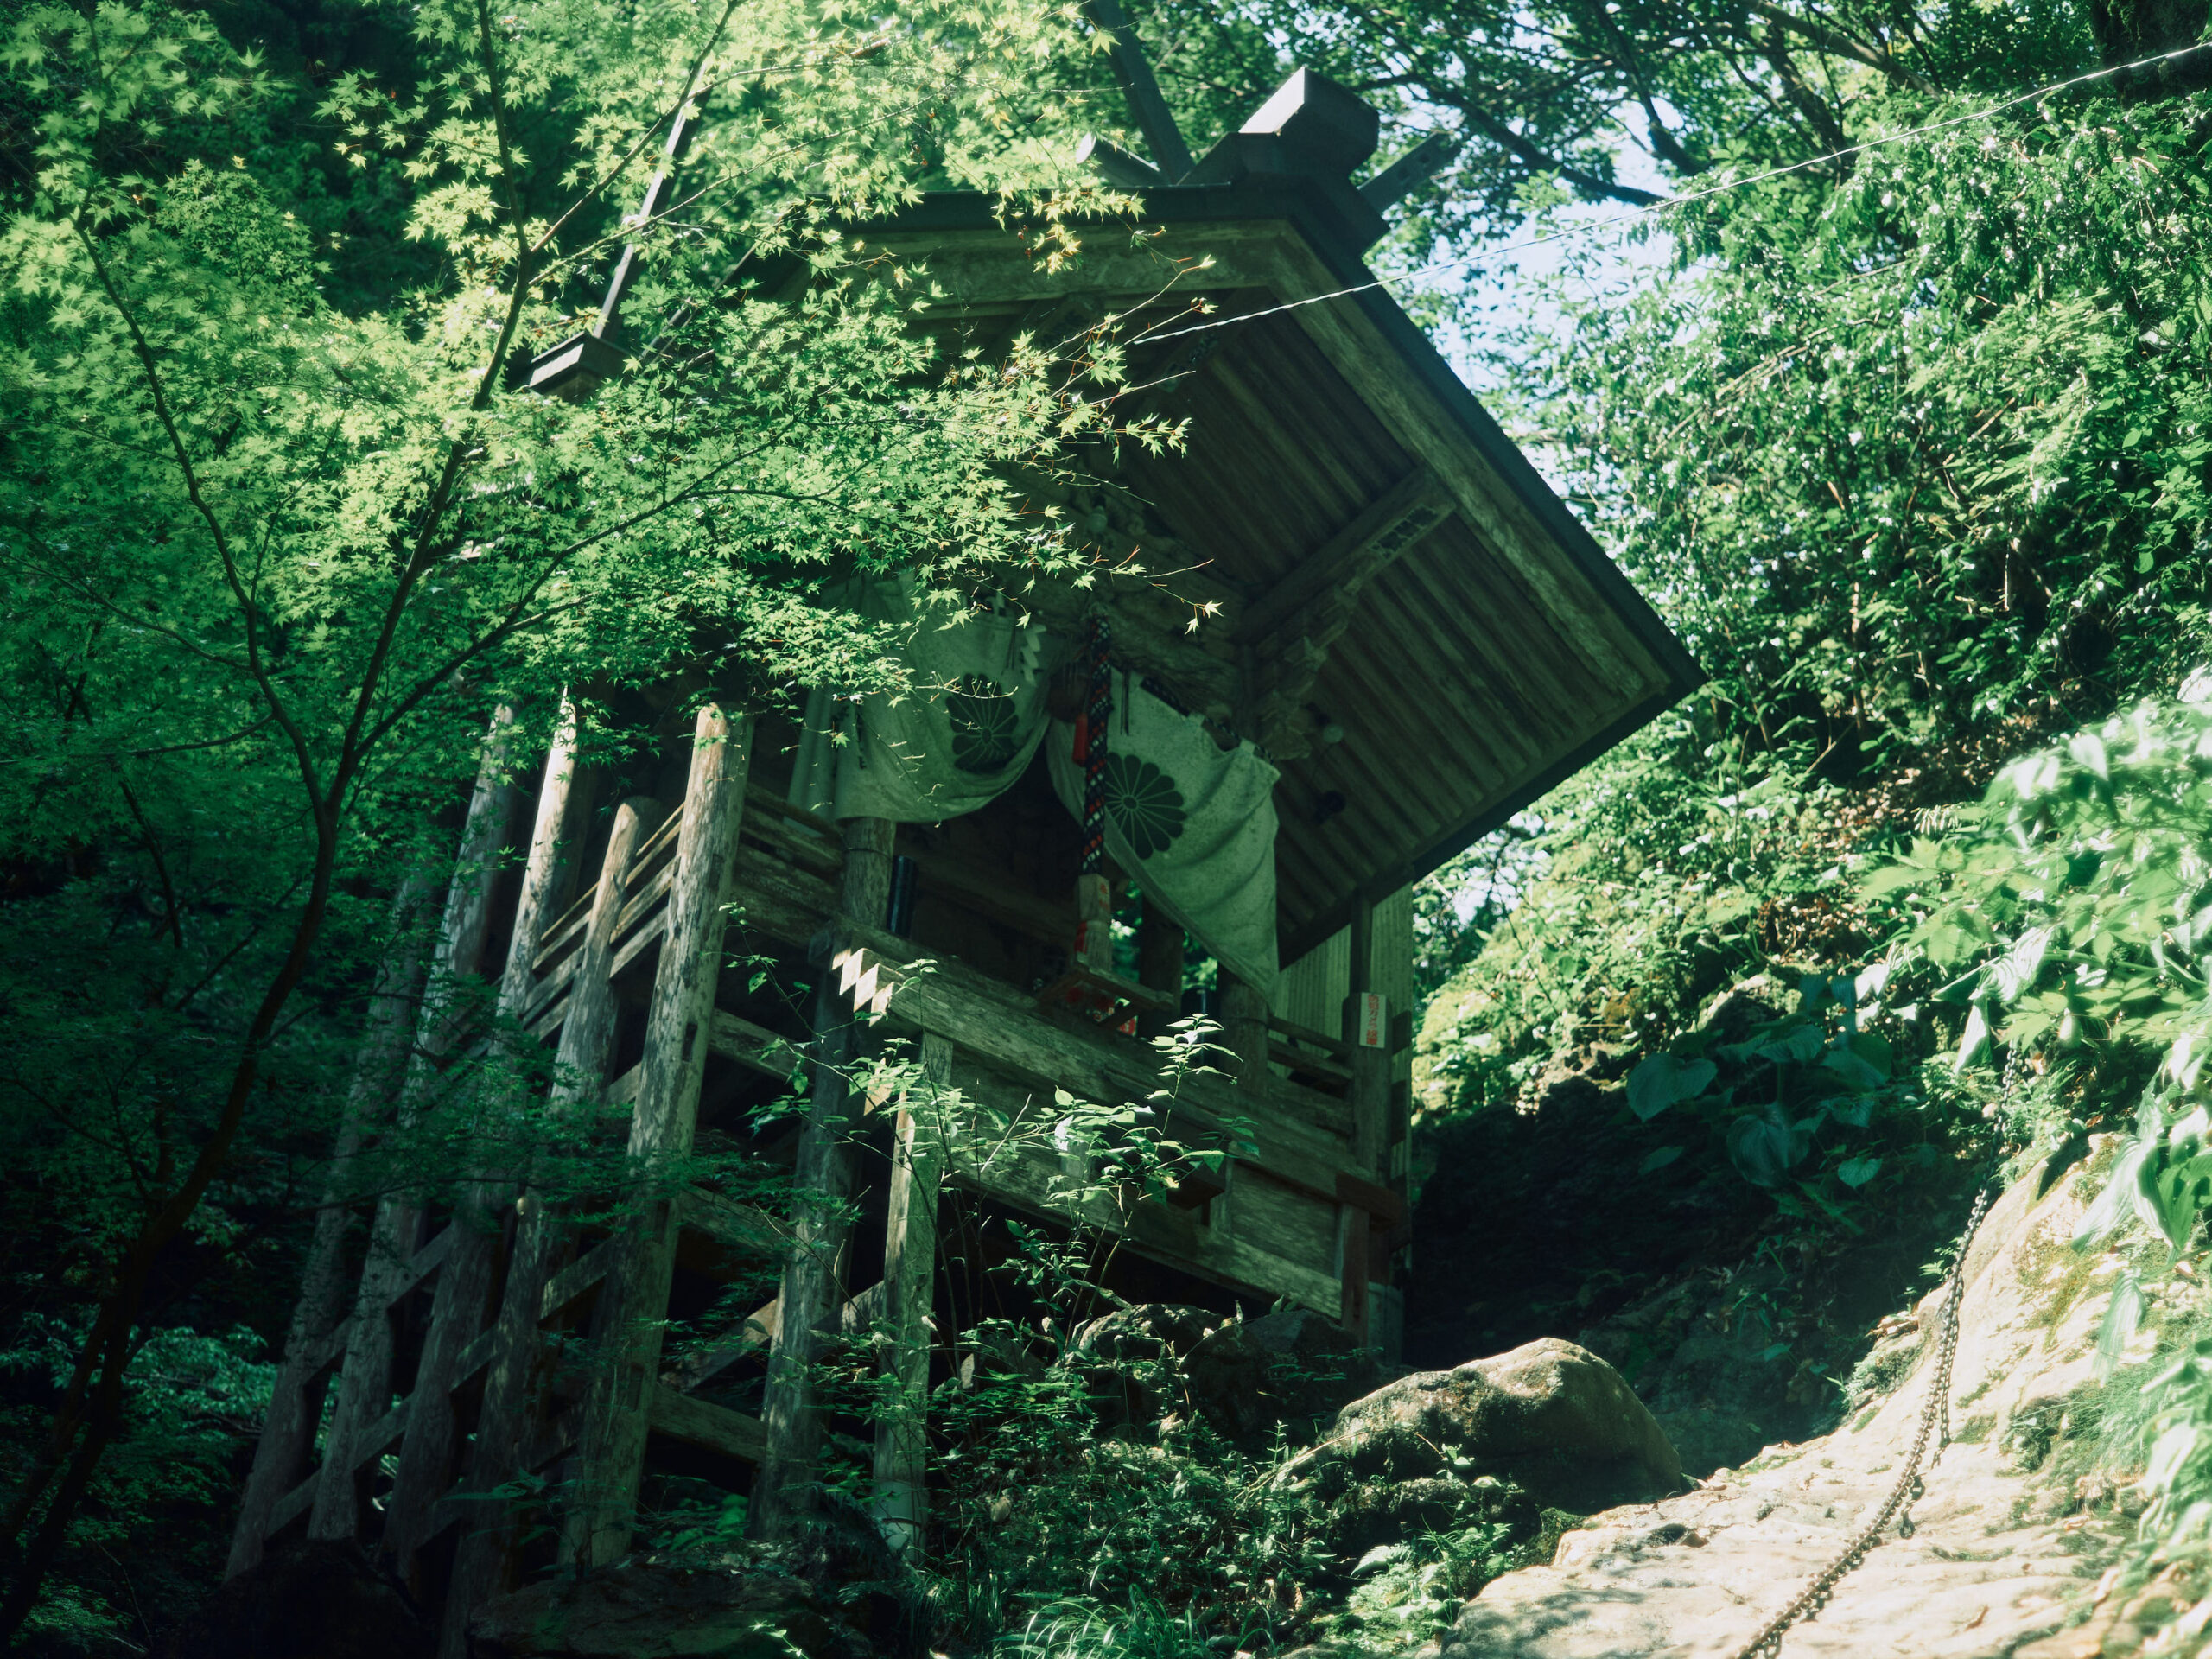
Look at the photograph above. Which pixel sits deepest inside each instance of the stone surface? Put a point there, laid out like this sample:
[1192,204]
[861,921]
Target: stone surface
[1546,1425]
[307,1601]
[639,1611]
[2005,1554]
[1550,1416]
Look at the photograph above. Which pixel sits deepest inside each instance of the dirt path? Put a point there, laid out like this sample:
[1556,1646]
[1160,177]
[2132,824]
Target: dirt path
[2004,1553]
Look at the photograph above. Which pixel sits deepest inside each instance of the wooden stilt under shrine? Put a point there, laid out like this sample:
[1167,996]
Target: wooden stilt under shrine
[1406,628]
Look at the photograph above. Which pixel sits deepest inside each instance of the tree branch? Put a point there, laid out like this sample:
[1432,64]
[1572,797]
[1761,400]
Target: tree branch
[1834,40]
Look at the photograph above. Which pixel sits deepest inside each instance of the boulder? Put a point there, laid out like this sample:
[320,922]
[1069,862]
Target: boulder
[1546,1426]
[647,1610]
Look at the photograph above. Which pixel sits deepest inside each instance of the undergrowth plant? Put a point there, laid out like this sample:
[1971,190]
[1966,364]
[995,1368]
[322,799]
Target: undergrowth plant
[2070,915]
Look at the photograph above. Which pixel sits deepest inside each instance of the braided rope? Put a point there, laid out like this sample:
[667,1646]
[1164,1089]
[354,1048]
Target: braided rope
[1935,1419]
[1090,749]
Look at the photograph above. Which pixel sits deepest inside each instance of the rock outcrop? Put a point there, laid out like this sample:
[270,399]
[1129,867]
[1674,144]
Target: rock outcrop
[1546,1426]
[2013,1536]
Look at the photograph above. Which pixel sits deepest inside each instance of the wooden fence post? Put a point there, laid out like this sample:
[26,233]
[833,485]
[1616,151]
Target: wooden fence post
[634,1299]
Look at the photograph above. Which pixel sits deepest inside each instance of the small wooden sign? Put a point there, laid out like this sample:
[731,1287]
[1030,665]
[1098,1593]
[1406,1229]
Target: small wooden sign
[1374,1020]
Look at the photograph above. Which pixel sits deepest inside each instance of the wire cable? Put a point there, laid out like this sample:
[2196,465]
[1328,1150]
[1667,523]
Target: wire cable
[1687,198]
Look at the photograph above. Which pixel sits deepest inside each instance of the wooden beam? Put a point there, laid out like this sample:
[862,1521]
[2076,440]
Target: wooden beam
[993,1021]
[556,840]
[365,1385]
[1390,185]
[1244,1032]
[320,1331]
[1368,1093]
[1161,945]
[1385,528]
[1289,631]
[1134,71]
[1032,1179]
[752,1046]
[1150,635]
[1115,165]
[465,1300]
[489,1551]
[709,1427]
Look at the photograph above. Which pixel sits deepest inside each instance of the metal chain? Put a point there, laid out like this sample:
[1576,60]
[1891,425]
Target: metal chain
[1934,1420]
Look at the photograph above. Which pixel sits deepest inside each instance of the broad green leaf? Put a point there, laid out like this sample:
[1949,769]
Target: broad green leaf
[1764,1146]
[1663,1081]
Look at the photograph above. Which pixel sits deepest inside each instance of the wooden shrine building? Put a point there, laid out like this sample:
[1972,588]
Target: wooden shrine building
[1412,639]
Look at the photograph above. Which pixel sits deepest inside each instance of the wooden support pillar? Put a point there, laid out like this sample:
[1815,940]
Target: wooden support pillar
[1094,924]
[564,797]
[813,1295]
[433,1448]
[909,1294]
[1366,1031]
[280,1456]
[365,1385]
[1353,1227]
[1244,1032]
[634,1300]
[483,1566]
[1160,945]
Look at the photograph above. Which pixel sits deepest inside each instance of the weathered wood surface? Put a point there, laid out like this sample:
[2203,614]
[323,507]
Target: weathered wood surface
[1291,630]
[364,1384]
[701,1423]
[909,1290]
[634,1298]
[995,1023]
[822,1183]
[564,800]
[1279,1242]
[464,1304]
[316,1338]
[1244,1032]
[483,1563]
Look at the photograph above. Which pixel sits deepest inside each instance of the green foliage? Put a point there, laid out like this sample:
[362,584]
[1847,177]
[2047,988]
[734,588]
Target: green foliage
[161,1504]
[2064,913]
[1081,1629]
[1409,1593]
[281,528]
[1910,454]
